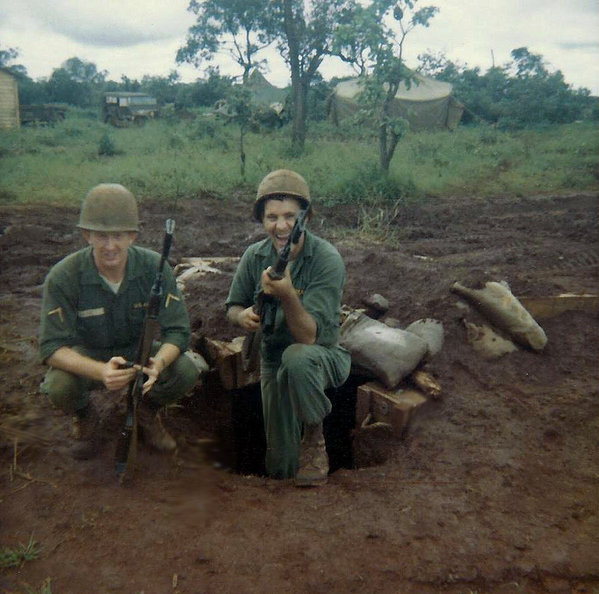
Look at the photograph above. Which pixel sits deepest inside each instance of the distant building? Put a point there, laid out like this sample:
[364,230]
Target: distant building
[9,100]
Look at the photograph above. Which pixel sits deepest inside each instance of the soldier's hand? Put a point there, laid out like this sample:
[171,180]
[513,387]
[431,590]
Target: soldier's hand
[248,319]
[277,288]
[115,376]
[152,372]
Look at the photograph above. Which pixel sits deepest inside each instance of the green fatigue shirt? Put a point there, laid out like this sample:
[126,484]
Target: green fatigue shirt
[318,276]
[79,308]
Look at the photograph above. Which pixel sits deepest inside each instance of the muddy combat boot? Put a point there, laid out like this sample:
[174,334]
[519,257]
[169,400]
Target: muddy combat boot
[86,431]
[314,462]
[153,431]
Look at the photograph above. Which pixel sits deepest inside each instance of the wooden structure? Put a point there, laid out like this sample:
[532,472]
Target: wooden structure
[9,100]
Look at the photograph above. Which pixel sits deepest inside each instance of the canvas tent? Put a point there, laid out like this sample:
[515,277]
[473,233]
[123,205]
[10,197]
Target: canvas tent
[428,104]
[264,93]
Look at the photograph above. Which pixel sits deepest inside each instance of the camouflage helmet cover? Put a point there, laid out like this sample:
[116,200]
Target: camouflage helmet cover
[109,208]
[282,182]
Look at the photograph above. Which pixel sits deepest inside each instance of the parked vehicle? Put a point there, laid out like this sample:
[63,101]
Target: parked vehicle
[123,109]
[41,115]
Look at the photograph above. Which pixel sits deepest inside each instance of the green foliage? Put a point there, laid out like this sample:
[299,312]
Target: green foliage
[520,94]
[376,49]
[369,182]
[237,28]
[45,588]
[107,147]
[179,159]
[20,555]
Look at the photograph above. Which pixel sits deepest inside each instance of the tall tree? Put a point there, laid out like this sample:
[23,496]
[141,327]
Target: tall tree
[76,82]
[306,31]
[235,28]
[368,39]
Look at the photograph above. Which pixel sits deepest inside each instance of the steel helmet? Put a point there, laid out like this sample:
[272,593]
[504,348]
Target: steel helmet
[281,182]
[109,207]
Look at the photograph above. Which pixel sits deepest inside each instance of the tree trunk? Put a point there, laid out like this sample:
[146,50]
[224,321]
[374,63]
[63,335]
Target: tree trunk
[297,84]
[242,151]
[299,117]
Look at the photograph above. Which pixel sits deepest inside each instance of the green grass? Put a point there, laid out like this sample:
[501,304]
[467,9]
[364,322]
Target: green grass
[18,556]
[173,160]
[45,588]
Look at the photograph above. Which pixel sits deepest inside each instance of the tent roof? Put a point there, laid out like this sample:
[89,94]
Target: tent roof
[262,91]
[422,88]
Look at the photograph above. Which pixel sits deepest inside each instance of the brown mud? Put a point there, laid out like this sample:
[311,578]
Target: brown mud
[494,489]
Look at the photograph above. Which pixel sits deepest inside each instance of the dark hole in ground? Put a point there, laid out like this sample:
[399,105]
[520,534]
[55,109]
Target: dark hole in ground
[235,419]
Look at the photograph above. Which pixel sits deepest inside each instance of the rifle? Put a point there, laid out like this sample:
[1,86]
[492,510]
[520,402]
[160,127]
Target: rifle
[266,305]
[126,450]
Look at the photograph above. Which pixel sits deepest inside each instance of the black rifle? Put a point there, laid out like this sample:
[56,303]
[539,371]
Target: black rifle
[266,305]
[126,450]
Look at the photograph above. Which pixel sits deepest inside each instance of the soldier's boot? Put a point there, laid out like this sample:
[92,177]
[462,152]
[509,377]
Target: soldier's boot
[153,431]
[313,460]
[86,432]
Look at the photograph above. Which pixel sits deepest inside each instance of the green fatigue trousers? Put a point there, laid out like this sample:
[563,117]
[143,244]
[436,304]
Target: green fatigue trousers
[70,392]
[292,395]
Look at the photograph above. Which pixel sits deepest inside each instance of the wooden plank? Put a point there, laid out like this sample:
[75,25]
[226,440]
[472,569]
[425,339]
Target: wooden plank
[548,307]
[225,357]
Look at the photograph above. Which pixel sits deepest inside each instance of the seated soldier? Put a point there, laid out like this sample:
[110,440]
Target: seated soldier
[93,308]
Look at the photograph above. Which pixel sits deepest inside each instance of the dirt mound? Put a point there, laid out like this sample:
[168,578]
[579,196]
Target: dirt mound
[494,489]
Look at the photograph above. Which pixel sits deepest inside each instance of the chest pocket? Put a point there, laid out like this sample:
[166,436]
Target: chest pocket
[92,327]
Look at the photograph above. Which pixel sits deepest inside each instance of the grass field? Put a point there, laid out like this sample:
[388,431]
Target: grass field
[173,160]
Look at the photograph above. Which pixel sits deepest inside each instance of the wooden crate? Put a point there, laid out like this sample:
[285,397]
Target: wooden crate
[378,406]
[226,358]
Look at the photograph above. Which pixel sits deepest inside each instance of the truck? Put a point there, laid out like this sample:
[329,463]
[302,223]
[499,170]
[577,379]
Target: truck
[42,114]
[123,109]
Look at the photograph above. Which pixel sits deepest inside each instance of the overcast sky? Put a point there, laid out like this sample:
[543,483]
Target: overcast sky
[135,37]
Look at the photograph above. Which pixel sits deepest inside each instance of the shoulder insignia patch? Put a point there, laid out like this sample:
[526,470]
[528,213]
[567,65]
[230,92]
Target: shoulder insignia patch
[169,297]
[58,311]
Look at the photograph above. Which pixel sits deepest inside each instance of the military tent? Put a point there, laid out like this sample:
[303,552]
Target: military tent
[427,104]
[264,93]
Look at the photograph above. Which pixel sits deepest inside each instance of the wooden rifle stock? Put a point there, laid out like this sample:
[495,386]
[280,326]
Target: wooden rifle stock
[126,450]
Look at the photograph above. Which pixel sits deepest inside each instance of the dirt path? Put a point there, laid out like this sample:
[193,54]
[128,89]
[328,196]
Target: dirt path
[494,489]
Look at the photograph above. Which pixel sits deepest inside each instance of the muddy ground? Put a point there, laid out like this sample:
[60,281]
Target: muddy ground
[494,489]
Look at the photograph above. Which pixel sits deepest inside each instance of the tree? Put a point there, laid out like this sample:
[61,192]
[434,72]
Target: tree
[164,88]
[9,55]
[367,40]
[521,93]
[233,27]
[76,82]
[306,32]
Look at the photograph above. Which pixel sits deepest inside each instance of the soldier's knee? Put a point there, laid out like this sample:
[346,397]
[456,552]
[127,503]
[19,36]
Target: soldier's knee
[189,372]
[62,389]
[297,357]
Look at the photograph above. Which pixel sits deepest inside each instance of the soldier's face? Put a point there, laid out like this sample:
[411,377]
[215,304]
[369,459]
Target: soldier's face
[278,220]
[110,249]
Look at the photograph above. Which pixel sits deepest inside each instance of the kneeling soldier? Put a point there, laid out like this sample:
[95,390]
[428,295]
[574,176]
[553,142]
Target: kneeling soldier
[301,357]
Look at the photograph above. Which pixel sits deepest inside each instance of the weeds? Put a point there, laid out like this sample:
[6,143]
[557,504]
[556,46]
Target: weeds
[18,556]
[107,147]
[376,222]
[45,588]
[185,159]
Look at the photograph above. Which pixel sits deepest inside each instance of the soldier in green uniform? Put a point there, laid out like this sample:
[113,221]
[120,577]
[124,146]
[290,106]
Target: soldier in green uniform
[301,358]
[92,316]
